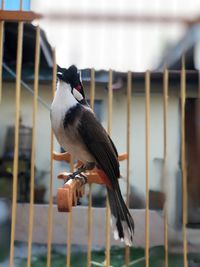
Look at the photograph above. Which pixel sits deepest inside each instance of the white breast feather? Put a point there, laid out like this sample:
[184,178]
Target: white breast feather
[62,102]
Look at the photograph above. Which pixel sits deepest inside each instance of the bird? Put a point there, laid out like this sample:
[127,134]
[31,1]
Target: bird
[79,132]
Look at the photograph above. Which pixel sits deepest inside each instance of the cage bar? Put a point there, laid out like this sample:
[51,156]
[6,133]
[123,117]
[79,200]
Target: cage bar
[32,182]
[128,144]
[128,134]
[92,97]
[69,225]
[50,211]
[165,149]
[147,109]
[109,127]
[21,5]
[183,161]
[2,4]
[16,143]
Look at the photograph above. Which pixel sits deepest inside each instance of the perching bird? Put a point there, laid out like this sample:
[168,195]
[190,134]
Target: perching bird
[79,132]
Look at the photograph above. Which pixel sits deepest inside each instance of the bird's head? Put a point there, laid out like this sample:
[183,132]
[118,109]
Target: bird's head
[73,77]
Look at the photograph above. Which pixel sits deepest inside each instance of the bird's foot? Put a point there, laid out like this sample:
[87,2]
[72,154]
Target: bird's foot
[80,176]
[86,167]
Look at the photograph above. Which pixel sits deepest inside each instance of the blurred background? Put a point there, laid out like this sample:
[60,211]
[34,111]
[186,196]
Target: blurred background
[138,42]
[122,36]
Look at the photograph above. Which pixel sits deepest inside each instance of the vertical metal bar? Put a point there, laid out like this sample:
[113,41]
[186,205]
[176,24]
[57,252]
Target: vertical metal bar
[32,184]
[50,211]
[1,54]
[165,123]
[128,138]
[16,147]
[92,96]
[109,127]
[69,225]
[147,106]
[183,162]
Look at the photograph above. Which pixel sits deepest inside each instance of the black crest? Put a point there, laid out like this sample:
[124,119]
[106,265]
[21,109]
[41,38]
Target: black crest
[70,75]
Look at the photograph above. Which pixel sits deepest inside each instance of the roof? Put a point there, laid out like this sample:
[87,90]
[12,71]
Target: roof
[186,46]
[101,76]
[28,58]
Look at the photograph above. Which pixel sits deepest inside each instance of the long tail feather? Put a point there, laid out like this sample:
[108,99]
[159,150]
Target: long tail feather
[122,222]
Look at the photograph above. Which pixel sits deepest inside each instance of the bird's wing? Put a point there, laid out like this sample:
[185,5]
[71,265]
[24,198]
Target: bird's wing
[99,145]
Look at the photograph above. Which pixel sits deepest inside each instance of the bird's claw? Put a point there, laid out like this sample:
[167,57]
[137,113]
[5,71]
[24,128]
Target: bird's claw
[82,177]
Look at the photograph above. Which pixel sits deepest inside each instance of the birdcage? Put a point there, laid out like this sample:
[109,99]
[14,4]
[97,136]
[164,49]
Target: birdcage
[89,226]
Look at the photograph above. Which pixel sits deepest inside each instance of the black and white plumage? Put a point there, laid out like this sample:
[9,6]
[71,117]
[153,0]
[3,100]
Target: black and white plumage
[79,133]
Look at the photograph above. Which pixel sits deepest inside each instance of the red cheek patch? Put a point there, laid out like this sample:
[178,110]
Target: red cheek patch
[78,88]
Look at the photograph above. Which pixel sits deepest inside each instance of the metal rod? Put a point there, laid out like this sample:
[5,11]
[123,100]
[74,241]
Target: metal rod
[128,138]
[32,182]
[109,127]
[26,86]
[165,135]
[16,144]
[183,162]
[92,97]
[50,211]
[147,106]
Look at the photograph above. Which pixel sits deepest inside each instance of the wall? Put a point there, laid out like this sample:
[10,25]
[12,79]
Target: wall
[7,118]
[137,157]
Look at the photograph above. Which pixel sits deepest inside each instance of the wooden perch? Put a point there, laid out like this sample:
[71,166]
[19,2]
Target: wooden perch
[73,189]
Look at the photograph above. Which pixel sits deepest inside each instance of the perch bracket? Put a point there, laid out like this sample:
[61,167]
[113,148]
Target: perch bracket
[74,189]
